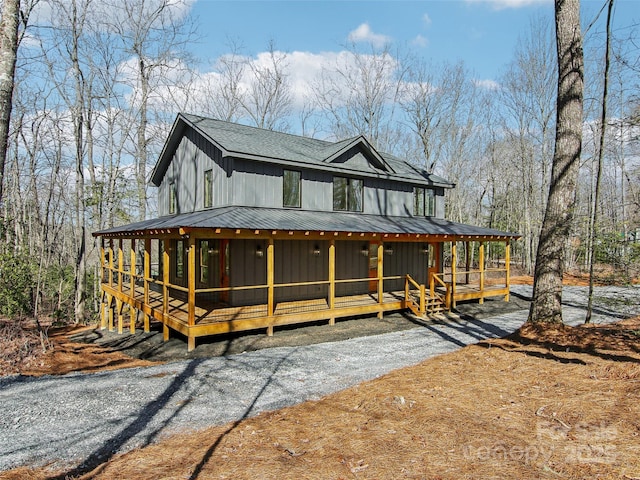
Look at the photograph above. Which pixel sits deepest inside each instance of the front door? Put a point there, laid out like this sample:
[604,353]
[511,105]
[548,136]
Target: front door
[373,266]
[434,257]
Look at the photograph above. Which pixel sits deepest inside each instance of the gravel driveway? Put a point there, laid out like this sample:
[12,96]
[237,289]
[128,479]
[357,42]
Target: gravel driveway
[78,421]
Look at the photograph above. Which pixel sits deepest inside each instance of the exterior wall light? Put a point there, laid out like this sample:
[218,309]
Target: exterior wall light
[388,250]
[364,251]
[259,252]
[214,251]
[425,249]
[316,250]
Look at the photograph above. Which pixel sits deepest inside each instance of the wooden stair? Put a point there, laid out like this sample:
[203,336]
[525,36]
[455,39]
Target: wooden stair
[432,305]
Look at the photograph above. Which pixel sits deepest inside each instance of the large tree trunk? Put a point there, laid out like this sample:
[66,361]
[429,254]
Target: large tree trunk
[556,228]
[8,52]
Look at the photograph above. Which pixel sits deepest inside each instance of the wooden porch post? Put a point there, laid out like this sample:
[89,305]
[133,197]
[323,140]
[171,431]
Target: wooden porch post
[454,260]
[146,275]
[133,313]
[481,265]
[120,307]
[467,260]
[380,278]
[111,262]
[103,306]
[191,302]
[120,264]
[507,261]
[332,279]
[270,283]
[110,311]
[165,289]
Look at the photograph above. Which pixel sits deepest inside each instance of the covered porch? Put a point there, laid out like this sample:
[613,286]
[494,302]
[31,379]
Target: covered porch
[184,278]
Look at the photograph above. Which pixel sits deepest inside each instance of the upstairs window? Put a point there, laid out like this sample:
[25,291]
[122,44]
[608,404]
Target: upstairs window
[291,189]
[173,198]
[208,188]
[424,202]
[347,194]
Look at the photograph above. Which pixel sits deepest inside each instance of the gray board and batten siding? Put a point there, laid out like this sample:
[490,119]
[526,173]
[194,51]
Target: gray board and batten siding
[248,173]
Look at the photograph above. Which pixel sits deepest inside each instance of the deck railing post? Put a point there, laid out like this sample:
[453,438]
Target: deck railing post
[165,289]
[467,261]
[507,261]
[132,287]
[380,278]
[191,280]
[454,260]
[270,282]
[332,279]
[111,262]
[422,300]
[481,265]
[120,264]
[146,275]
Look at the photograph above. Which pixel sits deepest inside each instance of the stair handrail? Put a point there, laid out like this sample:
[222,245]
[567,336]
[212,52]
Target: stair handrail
[447,286]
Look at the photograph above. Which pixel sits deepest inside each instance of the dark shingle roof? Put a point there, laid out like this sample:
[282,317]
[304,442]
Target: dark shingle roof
[257,218]
[243,141]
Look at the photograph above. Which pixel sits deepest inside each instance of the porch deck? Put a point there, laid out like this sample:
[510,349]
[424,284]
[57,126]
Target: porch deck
[214,318]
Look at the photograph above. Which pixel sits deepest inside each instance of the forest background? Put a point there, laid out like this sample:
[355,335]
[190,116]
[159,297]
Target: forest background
[98,84]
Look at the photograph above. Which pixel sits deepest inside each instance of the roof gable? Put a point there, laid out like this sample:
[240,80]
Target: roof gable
[358,154]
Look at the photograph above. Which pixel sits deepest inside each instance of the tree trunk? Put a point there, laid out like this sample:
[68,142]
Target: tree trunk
[596,194]
[8,52]
[546,305]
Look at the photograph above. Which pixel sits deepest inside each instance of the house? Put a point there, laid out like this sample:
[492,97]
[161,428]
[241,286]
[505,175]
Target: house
[258,229]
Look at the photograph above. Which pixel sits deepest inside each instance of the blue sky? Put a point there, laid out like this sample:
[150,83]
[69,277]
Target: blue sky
[482,33]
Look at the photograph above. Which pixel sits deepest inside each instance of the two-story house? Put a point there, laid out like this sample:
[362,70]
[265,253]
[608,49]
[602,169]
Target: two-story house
[258,228]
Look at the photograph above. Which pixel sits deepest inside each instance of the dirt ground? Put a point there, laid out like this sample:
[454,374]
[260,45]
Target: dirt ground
[560,403]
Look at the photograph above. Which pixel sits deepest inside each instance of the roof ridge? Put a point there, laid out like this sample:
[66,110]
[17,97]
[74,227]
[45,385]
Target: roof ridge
[262,130]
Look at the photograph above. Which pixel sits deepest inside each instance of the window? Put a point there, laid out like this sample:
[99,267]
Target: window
[179,258]
[291,189]
[208,188]
[173,198]
[424,202]
[418,202]
[347,194]
[204,261]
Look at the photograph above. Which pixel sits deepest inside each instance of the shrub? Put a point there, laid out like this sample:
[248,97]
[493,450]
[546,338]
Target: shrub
[16,285]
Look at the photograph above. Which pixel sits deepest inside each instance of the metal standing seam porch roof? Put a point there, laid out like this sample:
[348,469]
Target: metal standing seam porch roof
[275,219]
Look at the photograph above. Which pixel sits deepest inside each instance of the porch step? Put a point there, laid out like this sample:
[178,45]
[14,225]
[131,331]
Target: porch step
[433,305]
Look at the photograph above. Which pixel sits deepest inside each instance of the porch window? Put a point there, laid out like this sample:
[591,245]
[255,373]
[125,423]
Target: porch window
[291,188]
[347,194]
[208,188]
[204,261]
[179,258]
[424,202]
[173,198]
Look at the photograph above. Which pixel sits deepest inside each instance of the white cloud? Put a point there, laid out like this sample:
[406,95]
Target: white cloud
[501,4]
[487,84]
[364,34]
[420,41]
[426,19]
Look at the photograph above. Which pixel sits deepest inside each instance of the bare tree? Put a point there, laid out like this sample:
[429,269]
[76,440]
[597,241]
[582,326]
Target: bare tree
[359,95]
[546,305]
[267,100]
[596,195]
[156,33]
[12,16]
[528,96]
